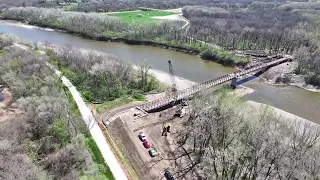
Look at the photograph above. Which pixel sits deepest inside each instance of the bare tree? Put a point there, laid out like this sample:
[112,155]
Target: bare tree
[144,74]
[226,139]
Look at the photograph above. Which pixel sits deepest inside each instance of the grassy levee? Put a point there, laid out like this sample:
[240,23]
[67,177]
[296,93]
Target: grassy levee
[124,161]
[108,105]
[98,158]
[108,28]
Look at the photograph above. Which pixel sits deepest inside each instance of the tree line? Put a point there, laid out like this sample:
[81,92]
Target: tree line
[274,30]
[47,141]
[103,27]
[224,138]
[308,65]
[102,77]
[117,5]
[263,27]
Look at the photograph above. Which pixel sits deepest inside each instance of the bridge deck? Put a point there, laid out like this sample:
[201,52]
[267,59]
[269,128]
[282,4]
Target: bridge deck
[158,103]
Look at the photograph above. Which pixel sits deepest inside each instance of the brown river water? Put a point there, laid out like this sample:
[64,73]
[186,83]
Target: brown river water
[300,102]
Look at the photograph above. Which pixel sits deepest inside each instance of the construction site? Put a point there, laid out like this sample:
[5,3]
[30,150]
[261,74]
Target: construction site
[150,140]
[147,144]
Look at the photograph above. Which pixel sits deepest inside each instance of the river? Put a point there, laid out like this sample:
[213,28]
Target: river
[297,101]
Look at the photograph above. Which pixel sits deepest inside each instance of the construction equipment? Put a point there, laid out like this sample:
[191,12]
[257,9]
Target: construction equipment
[181,111]
[184,102]
[173,93]
[166,129]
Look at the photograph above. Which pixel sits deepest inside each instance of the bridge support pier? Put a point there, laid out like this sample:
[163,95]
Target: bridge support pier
[234,82]
[264,70]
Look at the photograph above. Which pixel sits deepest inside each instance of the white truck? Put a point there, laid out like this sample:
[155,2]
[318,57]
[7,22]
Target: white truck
[181,111]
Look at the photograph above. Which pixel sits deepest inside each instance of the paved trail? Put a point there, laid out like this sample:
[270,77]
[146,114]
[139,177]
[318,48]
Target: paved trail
[95,130]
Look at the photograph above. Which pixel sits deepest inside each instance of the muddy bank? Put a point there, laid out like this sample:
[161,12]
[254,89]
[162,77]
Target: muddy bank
[166,79]
[283,74]
[161,76]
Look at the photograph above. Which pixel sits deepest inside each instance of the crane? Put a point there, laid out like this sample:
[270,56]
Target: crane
[173,92]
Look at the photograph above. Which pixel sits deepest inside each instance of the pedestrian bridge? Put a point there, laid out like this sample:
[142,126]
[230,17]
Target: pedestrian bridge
[185,93]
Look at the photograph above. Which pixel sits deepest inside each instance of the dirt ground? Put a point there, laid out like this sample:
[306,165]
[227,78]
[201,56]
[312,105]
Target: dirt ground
[6,111]
[125,128]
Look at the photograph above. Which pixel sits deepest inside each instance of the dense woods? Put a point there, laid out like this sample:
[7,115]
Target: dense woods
[267,29]
[264,26]
[47,140]
[226,139]
[118,5]
[99,77]
[308,64]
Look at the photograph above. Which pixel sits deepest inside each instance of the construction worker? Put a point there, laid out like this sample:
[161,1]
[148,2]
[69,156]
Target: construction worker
[166,129]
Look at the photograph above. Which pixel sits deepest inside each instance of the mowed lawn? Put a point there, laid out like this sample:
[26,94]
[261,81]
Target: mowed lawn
[133,16]
[68,7]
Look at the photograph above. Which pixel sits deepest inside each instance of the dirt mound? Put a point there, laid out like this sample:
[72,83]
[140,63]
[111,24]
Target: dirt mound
[7,98]
[6,111]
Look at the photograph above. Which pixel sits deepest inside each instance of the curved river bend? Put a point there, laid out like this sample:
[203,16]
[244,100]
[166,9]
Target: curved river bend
[297,101]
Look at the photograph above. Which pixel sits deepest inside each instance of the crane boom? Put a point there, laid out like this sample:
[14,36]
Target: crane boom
[174,91]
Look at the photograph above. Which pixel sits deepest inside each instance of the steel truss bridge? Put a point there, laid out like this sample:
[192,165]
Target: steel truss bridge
[185,93]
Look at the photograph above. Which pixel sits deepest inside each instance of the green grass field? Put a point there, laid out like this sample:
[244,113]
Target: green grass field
[69,6]
[132,17]
[108,105]
[123,159]
[98,158]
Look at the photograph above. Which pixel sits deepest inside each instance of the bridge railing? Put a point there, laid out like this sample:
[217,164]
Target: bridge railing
[207,84]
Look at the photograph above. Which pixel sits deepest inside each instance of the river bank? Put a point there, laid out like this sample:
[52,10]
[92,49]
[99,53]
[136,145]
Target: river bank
[166,35]
[183,83]
[283,75]
[19,23]
[241,91]
[289,98]
[279,75]
[161,76]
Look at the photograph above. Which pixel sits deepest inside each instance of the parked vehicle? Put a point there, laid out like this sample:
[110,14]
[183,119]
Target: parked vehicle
[168,175]
[146,144]
[153,152]
[142,137]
